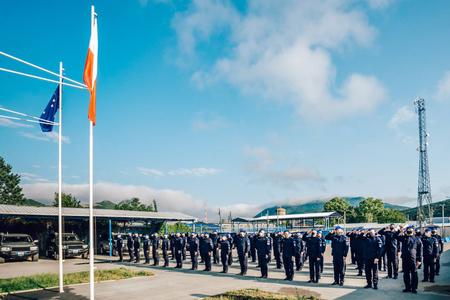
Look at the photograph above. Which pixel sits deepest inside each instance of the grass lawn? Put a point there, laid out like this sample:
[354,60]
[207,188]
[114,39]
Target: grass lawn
[256,294]
[51,280]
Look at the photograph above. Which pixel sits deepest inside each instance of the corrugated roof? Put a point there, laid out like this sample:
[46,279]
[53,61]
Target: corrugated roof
[290,217]
[99,213]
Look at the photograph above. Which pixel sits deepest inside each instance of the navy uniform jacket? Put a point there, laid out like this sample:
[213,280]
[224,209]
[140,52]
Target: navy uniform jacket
[313,245]
[391,241]
[165,245]
[207,245]
[263,245]
[215,239]
[339,245]
[372,247]
[146,244]
[242,244]
[178,243]
[277,243]
[194,245]
[225,246]
[130,243]
[411,248]
[430,247]
[155,242]
[299,246]
[288,247]
[119,243]
[137,244]
[440,243]
[323,245]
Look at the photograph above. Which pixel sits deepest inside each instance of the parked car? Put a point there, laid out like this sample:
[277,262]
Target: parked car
[17,246]
[72,246]
[103,245]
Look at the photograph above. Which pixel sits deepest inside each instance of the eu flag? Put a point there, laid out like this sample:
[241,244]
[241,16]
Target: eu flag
[50,111]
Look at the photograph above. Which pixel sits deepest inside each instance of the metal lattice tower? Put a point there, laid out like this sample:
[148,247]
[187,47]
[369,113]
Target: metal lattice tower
[424,188]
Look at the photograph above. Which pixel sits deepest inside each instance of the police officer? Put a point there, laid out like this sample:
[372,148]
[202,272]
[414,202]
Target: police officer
[430,250]
[215,240]
[172,245]
[351,235]
[137,248]
[130,246]
[288,249]
[146,248]
[411,259]
[371,253]
[230,255]
[359,235]
[391,248]
[242,245]
[299,251]
[178,246]
[278,237]
[201,240]
[225,249]
[155,247]
[206,248]
[185,244]
[323,247]
[339,251]
[119,247]
[441,249]
[165,246]
[252,239]
[263,248]
[382,258]
[194,248]
[313,251]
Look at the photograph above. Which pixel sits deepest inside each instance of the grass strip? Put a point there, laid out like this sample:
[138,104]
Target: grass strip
[47,280]
[256,294]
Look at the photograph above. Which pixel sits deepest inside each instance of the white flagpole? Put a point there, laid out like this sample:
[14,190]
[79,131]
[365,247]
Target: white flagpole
[60,225]
[91,197]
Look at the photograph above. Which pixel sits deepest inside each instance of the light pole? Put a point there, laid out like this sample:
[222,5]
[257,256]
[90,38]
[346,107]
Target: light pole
[442,229]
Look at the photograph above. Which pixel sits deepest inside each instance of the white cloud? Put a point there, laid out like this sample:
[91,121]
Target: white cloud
[443,88]
[31,177]
[198,172]
[380,4]
[281,50]
[208,122]
[150,172]
[403,115]
[12,124]
[45,136]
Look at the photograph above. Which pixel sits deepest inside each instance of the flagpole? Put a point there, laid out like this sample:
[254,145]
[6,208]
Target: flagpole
[60,225]
[91,196]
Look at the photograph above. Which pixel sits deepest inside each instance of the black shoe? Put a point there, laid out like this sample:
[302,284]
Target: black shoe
[368,286]
[395,277]
[334,283]
[287,278]
[341,283]
[406,291]
[432,281]
[359,274]
[291,278]
[414,291]
[437,274]
[425,280]
[310,281]
[375,287]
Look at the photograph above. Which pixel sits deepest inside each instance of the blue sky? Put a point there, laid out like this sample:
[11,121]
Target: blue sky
[233,104]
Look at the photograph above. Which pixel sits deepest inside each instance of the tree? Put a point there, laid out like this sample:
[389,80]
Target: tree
[174,228]
[67,200]
[155,206]
[390,215]
[337,204]
[134,204]
[10,190]
[369,209]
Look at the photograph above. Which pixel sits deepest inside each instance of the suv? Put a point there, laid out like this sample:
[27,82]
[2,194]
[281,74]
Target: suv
[16,246]
[72,246]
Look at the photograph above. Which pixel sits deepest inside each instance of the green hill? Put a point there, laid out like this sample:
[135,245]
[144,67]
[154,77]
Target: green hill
[31,202]
[105,204]
[317,206]
[436,206]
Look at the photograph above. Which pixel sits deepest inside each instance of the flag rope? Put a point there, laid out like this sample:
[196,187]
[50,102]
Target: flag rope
[28,116]
[42,78]
[40,68]
[28,120]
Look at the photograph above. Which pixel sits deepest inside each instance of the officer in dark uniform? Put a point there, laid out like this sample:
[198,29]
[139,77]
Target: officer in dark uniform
[178,246]
[441,249]
[146,248]
[165,246]
[263,248]
[225,249]
[313,251]
[194,249]
[352,237]
[411,259]
[230,255]
[360,251]
[430,250]
[201,240]
[206,248]
[288,248]
[215,240]
[185,244]
[371,251]
[252,239]
[242,245]
[172,245]
[130,246]
[299,250]
[391,248]
[323,247]
[119,247]
[278,237]
[155,247]
[339,251]
[137,248]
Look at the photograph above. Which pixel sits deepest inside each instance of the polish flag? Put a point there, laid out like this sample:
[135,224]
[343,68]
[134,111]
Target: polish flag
[90,68]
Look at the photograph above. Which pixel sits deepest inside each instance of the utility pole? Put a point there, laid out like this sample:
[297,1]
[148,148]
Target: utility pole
[424,187]
[442,229]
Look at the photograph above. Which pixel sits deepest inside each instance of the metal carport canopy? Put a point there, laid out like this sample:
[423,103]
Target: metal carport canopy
[49,211]
[318,215]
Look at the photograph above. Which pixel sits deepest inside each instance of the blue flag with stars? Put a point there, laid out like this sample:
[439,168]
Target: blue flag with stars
[50,112]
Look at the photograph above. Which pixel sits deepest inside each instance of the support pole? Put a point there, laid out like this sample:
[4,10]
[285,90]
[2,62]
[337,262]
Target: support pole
[60,222]
[91,211]
[110,239]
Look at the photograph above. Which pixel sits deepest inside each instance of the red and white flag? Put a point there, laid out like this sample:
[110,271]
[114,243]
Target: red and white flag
[90,68]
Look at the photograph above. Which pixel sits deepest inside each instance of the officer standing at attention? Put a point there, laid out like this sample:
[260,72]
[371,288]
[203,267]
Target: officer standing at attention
[130,246]
[165,246]
[352,237]
[146,248]
[323,247]
[441,249]
[119,247]
[225,249]
[299,248]
[313,251]
[230,255]
[288,248]
[185,244]
[371,251]
[207,248]
[252,239]
[382,259]
[178,246]
[201,240]
[391,247]
[263,247]
[215,239]
[411,259]
[137,248]
[339,251]
[194,248]
[277,248]
[430,248]
[360,236]
[242,244]
[172,245]
[155,247]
